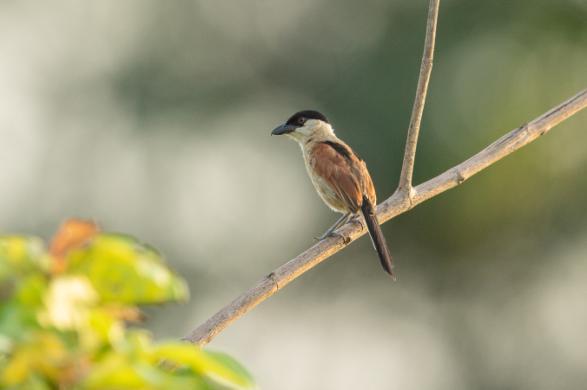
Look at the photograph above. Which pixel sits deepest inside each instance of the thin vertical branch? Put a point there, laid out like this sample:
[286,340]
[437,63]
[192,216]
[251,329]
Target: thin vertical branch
[405,183]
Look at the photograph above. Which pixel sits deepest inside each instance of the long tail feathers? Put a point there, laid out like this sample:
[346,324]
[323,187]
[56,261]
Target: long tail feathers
[377,236]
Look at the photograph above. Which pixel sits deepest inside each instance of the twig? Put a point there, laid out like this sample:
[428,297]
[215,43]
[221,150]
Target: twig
[390,208]
[405,181]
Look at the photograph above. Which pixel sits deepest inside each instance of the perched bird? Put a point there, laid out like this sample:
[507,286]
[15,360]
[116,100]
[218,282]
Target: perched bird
[339,175]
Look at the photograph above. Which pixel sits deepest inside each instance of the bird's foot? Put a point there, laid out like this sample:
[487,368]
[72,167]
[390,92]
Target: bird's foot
[357,220]
[345,239]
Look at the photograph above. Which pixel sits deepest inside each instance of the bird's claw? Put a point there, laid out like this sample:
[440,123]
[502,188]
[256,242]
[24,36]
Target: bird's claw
[357,220]
[345,239]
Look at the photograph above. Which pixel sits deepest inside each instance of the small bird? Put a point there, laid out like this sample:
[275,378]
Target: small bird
[339,175]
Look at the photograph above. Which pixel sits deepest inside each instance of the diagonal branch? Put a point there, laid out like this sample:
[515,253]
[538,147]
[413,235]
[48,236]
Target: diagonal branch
[405,181]
[390,208]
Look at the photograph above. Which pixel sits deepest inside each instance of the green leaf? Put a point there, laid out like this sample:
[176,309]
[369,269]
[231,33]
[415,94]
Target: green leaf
[19,313]
[115,371]
[43,354]
[129,370]
[14,322]
[220,369]
[162,379]
[232,364]
[104,328]
[31,290]
[19,254]
[123,270]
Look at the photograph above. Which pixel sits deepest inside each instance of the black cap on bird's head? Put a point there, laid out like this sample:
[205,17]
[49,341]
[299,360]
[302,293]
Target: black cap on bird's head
[298,120]
[300,117]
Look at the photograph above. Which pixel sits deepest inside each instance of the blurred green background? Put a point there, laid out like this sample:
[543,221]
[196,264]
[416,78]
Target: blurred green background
[153,118]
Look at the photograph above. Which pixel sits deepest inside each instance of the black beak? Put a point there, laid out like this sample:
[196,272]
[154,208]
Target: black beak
[283,129]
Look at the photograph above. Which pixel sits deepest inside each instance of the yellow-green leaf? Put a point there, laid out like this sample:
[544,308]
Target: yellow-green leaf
[207,364]
[19,254]
[232,364]
[122,270]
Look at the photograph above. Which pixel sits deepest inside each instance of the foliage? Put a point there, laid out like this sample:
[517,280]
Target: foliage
[64,313]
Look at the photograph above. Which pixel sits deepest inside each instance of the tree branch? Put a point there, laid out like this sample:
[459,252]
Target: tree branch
[405,181]
[390,208]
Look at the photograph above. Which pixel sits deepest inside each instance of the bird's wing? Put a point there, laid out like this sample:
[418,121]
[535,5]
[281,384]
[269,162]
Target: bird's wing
[340,169]
[367,184]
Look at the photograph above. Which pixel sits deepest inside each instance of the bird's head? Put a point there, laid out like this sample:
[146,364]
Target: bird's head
[304,125]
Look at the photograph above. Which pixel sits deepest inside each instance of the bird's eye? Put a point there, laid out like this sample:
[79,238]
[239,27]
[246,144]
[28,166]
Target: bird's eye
[301,120]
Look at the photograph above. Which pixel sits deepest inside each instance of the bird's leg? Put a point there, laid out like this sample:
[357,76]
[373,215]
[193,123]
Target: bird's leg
[341,221]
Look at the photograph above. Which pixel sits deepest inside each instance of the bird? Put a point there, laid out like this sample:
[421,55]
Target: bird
[339,176]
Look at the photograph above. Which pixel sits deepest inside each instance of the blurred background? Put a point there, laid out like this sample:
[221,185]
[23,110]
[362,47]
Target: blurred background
[153,118]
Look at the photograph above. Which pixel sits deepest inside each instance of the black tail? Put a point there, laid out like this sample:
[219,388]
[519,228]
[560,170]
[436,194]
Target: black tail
[377,236]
